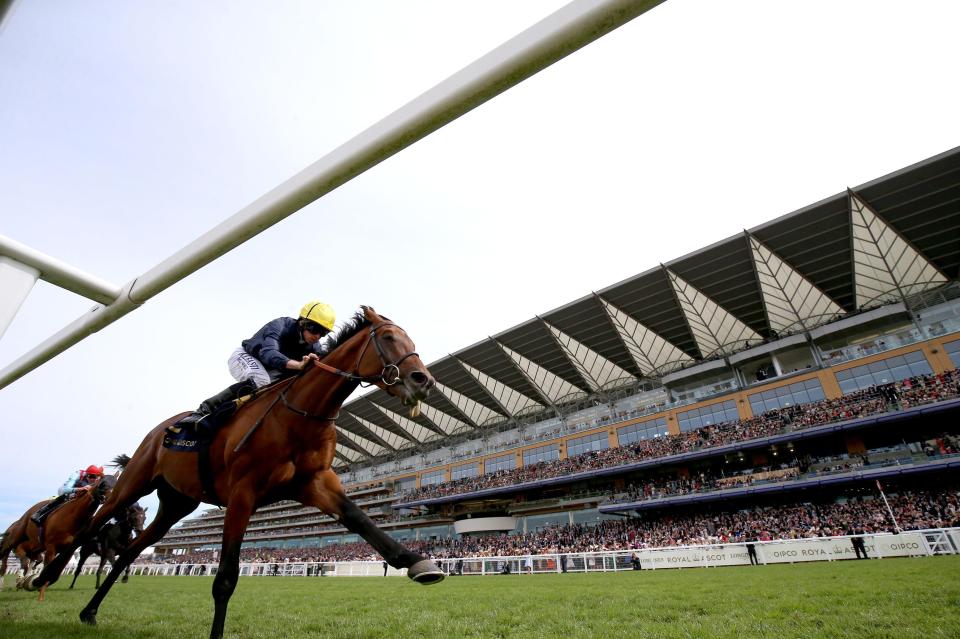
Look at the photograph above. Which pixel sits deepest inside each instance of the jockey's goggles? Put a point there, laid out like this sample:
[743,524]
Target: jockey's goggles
[315,328]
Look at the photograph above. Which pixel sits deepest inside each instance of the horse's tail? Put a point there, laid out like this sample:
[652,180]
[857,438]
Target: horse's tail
[121,461]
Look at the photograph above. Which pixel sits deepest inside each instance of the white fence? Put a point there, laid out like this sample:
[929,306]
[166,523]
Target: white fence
[920,543]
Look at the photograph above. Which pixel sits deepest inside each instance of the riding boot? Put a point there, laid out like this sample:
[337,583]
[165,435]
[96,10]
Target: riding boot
[46,509]
[209,405]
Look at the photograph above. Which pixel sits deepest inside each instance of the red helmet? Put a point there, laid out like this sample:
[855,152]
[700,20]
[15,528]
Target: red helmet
[94,470]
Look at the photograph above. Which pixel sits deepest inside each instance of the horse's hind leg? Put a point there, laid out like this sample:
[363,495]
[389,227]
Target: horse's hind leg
[173,508]
[326,493]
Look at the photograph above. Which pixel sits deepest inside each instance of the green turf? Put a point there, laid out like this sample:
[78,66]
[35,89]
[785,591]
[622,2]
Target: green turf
[896,598]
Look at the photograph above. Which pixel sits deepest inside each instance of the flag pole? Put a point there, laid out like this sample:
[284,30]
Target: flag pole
[889,510]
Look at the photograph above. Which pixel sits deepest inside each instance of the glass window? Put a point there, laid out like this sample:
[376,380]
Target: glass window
[503,462]
[644,430]
[708,415]
[591,516]
[540,522]
[433,477]
[406,484]
[434,532]
[587,443]
[549,452]
[789,395]
[464,470]
[892,369]
[953,351]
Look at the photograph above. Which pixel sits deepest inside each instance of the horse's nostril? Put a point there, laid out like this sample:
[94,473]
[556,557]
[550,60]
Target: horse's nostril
[420,379]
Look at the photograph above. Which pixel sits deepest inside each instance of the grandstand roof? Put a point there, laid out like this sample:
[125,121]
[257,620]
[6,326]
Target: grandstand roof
[880,242]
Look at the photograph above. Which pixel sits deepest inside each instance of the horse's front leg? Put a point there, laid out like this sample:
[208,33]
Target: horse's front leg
[326,493]
[240,507]
[103,562]
[48,556]
[3,568]
[84,553]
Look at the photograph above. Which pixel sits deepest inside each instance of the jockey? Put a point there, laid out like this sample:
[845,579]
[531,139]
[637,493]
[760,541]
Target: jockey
[80,480]
[281,347]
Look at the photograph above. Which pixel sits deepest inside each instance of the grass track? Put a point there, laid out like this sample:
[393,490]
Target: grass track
[895,598]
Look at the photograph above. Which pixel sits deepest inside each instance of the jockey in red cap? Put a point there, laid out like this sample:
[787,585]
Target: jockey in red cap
[78,480]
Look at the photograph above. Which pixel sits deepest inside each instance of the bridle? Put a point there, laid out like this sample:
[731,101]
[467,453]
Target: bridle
[133,516]
[389,376]
[99,492]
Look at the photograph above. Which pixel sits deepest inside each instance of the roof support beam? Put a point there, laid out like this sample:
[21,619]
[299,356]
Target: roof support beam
[59,273]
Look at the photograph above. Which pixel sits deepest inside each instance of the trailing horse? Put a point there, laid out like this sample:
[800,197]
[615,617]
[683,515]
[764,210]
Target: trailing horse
[112,539]
[60,528]
[14,537]
[278,446]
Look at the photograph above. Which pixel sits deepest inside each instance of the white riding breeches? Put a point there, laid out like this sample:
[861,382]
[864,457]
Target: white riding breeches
[245,366]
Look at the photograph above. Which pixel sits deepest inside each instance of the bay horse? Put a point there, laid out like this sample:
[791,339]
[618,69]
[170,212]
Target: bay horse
[14,537]
[278,446]
[60,528]
[112,539]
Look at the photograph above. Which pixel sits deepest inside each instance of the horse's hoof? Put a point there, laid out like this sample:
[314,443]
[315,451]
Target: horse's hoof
[123,581]
[425,572]
[29,585]
[88,617]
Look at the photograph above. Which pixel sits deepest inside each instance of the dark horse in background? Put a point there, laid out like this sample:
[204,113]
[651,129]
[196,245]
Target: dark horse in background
[60,529]
[112,539]
[278,446]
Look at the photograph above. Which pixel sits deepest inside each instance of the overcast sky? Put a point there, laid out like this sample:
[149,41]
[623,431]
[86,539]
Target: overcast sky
[128,129]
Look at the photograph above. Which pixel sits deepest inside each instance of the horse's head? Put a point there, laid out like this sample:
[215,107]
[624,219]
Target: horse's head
[393,363]
[103,487]
[136,517]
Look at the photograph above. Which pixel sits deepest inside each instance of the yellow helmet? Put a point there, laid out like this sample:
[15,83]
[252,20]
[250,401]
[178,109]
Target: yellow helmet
[320,313]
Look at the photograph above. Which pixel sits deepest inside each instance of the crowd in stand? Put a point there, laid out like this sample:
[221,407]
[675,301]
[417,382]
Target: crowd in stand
[914,510]
[870,401]
[673,485]
[863,403]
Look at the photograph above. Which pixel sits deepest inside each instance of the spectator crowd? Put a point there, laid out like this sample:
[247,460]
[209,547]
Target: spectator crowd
[914,510]
[871,401]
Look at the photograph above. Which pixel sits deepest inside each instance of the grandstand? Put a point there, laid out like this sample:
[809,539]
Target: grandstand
[758,386]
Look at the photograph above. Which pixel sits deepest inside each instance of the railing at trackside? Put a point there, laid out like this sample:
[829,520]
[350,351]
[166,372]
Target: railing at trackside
[914,543]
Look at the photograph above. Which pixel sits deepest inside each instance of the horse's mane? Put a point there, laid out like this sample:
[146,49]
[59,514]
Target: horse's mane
[120,461]
[350,328]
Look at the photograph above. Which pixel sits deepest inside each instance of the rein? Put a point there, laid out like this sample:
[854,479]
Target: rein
[389,376]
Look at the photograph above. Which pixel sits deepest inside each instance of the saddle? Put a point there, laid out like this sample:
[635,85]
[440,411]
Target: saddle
[196,436]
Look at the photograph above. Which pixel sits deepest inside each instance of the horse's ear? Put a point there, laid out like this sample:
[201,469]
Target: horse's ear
[370,314]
